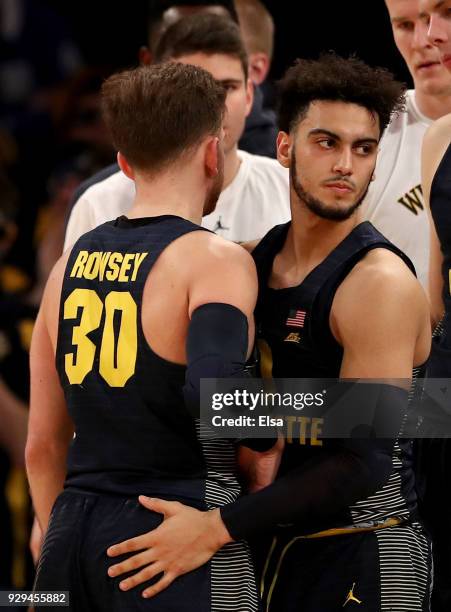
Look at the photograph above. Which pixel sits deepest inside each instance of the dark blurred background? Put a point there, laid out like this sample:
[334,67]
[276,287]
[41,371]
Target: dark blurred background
[108,33]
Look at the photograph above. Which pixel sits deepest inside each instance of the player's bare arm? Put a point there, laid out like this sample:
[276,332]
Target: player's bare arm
[50,428]
[435,143]
[228,276]
[385,332]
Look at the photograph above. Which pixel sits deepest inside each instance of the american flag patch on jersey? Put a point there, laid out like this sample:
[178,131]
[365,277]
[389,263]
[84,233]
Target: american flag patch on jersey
[296,318]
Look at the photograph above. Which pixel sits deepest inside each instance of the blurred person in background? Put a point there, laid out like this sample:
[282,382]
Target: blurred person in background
[16,323]
[395,203]
[257,30]
[435,453]
[260,130]
[398,205]
[255,191]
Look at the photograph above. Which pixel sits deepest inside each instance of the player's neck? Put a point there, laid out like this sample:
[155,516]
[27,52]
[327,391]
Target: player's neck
[309,241]
[231,166]
[433,106]
[168,194]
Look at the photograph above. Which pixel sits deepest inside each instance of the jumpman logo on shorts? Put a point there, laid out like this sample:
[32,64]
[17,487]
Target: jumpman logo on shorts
[351,596]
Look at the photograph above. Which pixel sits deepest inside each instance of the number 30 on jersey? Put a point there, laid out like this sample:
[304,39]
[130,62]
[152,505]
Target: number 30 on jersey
[117,357]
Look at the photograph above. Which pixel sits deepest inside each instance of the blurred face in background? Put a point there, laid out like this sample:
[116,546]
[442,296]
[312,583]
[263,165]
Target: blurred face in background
[228,71]
[436,21]
[420,55]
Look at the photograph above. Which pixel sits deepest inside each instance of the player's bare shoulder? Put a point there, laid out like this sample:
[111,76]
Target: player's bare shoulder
[250,246]
[435,142]
[439,131]
[381,288]
[213,269]
[382,272]
[205,250]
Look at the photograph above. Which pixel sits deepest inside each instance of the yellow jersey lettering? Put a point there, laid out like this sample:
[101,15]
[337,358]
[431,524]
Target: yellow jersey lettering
[79,264]
[92,266]
[103,264]
[309,430]
[126,265]
[118,356]
[303,429]
[139,258]
[108,266]
[291,420]
[79,364]
[113,272]
[316,430]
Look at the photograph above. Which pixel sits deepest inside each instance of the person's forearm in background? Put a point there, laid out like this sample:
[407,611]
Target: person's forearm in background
[13,425]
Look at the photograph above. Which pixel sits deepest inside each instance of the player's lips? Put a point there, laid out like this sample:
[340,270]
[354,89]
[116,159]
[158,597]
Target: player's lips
[446,60]
[340,187]
[427,65]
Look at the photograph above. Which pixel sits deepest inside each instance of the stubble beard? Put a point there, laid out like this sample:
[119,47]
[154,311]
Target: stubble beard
[317,207]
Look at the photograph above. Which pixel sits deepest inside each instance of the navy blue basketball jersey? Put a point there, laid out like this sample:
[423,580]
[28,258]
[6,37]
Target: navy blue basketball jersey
[133,433]
[295,341]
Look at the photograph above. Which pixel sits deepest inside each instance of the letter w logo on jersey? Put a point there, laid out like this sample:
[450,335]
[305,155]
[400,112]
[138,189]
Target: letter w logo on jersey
[117,359]
[413,200]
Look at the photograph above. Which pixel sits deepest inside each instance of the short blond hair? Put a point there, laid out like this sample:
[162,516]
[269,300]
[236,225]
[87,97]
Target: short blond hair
[257,26]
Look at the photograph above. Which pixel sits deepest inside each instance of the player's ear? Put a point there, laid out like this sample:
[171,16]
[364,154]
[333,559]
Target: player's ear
[212,156]
[284,146]
[144,56]
[125,166]
[259,65]
[249,96]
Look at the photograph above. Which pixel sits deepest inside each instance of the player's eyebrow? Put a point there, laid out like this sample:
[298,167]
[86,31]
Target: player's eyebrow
[315,131]
[225,82]
[400,19]
[365,140]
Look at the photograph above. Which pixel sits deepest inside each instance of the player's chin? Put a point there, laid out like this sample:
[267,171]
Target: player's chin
[340,202]
[338,211]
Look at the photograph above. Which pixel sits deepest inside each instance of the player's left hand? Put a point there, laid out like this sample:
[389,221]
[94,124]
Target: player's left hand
[186,539]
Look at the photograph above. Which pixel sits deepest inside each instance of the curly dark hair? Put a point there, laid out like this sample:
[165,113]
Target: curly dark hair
[335,78]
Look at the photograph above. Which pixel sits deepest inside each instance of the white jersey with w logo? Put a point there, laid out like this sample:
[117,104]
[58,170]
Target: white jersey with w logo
[394,203]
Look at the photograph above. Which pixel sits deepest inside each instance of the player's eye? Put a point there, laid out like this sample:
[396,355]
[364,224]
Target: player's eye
[364,149]
[326,143]
[406,26]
